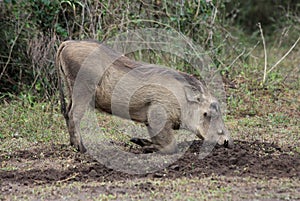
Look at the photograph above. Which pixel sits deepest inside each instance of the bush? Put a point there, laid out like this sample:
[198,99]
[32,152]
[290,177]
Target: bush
[270,14]
[31,31]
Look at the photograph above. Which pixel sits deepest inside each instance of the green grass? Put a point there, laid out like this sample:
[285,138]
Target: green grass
[210,188]
[23,124]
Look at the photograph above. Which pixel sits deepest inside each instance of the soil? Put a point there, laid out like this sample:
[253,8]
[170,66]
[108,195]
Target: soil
[60,163]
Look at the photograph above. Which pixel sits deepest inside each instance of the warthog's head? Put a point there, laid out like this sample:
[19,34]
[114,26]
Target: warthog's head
[203,116]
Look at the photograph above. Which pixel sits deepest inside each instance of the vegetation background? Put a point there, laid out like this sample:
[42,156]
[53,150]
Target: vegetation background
[254,44]
[32,30]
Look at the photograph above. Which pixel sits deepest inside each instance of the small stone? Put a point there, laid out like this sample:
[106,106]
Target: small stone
[93,173]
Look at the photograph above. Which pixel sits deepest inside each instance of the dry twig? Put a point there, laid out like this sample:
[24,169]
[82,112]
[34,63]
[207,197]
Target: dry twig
[284,56]
[265,52]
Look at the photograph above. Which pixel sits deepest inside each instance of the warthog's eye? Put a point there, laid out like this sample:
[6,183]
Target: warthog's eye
[205,114]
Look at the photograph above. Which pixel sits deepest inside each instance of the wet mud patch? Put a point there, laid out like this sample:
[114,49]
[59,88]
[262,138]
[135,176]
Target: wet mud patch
[47,164]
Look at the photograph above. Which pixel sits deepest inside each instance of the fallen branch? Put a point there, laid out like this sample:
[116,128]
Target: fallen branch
[68,178]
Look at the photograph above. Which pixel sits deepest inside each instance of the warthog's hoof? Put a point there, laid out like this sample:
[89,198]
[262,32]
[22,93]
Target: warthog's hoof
[79,147]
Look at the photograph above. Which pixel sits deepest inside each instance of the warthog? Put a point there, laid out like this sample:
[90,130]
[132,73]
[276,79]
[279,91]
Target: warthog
[161,98]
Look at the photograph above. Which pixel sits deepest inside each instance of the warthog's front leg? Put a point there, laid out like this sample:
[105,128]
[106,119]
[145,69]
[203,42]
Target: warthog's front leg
[160,129]
[148,146]
[163,142]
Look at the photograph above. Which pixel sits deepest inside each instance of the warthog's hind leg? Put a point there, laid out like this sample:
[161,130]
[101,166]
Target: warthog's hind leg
[75,137]
[75,115]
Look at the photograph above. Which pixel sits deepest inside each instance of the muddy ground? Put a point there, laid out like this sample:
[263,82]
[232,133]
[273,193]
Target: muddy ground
[60,164]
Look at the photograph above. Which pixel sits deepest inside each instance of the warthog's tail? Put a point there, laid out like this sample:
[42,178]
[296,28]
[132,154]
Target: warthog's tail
[60,85]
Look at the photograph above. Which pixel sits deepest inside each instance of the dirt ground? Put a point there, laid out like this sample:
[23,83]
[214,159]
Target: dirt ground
[44,165]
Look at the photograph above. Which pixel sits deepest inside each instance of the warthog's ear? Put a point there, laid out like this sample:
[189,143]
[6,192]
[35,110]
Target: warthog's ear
[192,94]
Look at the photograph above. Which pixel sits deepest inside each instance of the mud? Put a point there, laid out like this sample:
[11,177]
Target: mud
[60,163]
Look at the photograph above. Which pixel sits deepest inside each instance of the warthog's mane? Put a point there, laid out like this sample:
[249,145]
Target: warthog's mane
[166,72]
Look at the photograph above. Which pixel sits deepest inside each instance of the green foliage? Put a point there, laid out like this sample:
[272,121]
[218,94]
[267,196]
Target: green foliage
[31,31]
[44,13]
[270,14]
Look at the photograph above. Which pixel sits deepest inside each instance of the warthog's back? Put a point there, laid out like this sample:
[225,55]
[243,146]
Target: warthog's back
[74,54]
[138,88]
